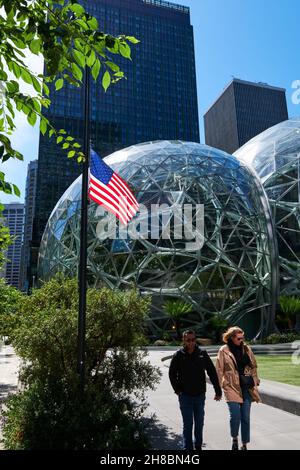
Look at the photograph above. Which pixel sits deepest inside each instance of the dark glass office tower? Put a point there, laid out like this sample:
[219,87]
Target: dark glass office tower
[243,110]
[157,101]
[30,196]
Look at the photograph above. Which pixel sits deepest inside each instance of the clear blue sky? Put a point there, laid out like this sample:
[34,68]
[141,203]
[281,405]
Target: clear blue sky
[255,40]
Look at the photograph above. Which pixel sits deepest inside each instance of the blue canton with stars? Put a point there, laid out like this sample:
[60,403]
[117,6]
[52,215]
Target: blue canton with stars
[99,169]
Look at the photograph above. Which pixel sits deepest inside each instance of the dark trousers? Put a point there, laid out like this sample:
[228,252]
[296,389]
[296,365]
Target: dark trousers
[192,410]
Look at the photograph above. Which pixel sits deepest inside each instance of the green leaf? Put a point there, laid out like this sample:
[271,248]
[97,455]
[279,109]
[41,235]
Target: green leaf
[82,24]
[43,126]
[77,72]
[132,39]
[79,57]
[96,69]
[71,153]
[19,156]
[78,45]
[35,46]
[59,84]
[62,131]
[16,190]
[51,132]
[31,118]
[76,145]
[7,188]
[12,86]
[46,89]
[6,157]
[91,58]
[78,9]
[66,145]
[106,79]
[36,84]
[114,67]
[93,23]
[16,69]
[59,139]
[20,44]
[36,105]
[26,76]
[69,138]
[124,50]
[3,75]
[10,122]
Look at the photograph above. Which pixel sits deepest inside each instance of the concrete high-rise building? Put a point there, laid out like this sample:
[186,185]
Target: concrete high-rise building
[157,101]
[242,111]
[30,192]
[13,218]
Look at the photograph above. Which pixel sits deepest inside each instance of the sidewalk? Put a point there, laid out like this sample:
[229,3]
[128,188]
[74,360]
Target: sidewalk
[9,364]
[272,429]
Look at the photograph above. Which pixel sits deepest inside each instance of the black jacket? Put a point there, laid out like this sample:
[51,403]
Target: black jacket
[187,372]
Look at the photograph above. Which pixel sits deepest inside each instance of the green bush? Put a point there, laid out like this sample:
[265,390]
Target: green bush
[10,301]
[50,412]
[277,338]
[216,326]
[289,307]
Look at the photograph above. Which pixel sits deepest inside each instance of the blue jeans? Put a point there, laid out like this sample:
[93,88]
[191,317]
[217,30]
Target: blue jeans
[192,410]
[240,415]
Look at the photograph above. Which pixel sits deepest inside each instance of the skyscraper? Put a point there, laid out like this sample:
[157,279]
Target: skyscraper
[157,101]
[30,192]
[13,215]
[242,111]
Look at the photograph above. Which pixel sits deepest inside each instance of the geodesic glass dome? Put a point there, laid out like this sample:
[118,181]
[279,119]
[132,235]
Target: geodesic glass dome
[275,155]
[230,274]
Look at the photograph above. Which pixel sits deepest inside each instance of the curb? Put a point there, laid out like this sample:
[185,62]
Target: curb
[282,403]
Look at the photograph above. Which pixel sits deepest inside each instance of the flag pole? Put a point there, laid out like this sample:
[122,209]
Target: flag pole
[82,278]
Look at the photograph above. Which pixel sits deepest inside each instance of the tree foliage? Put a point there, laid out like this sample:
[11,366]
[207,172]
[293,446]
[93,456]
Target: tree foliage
[68,39]
[176,309]
[10,300]
[289,307]
[5,239]
[50,412]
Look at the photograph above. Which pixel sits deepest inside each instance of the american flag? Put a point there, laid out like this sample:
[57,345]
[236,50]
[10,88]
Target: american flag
[107,189]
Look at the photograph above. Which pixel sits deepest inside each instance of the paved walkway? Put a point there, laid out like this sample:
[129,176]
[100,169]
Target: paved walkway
[272,429]
[9,364]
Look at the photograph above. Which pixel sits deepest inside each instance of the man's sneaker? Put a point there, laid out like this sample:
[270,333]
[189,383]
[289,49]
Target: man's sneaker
[244,448]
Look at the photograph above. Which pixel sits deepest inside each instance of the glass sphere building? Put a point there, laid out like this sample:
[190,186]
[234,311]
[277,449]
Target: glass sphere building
[219,262]
[275,156]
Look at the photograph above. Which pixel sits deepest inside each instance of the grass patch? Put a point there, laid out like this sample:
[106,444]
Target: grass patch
[278,368]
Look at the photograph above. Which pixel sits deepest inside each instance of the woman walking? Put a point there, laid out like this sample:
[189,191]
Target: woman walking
[237,371]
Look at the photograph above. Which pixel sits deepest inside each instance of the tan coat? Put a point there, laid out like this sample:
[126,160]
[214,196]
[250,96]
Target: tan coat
[229,376]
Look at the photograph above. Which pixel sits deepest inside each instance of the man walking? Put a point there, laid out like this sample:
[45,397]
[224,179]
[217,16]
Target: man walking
[187,376]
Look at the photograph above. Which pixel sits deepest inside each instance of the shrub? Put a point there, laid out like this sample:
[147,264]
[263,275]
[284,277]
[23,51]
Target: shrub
[10,300]
[160,342]
[216,326]
[277,338]
[289,306]
[50,412]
